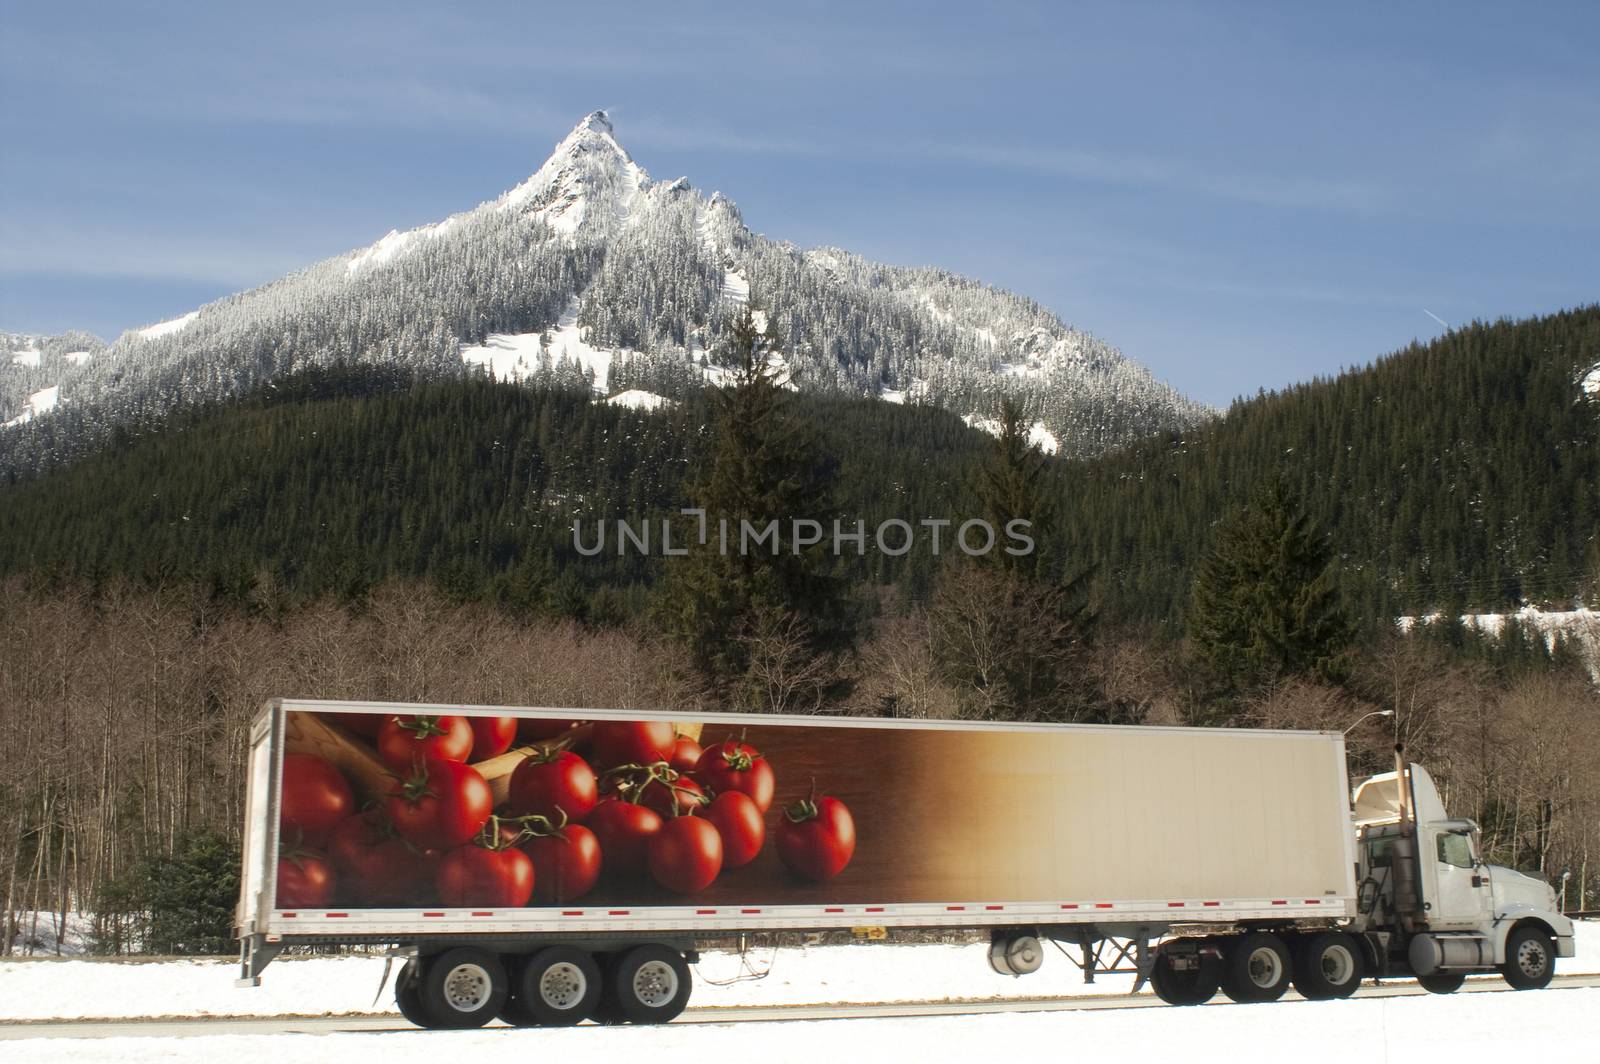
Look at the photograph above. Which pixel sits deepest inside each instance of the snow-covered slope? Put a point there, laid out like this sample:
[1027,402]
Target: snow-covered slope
[591,272]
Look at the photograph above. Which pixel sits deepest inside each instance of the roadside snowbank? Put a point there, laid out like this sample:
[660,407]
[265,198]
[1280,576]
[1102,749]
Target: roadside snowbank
[1426,1027]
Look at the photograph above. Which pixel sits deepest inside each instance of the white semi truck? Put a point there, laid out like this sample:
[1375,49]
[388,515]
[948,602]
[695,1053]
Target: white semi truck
[547,866]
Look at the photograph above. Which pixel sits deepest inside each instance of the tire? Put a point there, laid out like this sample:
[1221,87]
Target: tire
[1256,967]
[558,987]
[649,984]
[1327,965]
[1192,986]
[463,988]
[1442,982]
[407,997]
[1530,959]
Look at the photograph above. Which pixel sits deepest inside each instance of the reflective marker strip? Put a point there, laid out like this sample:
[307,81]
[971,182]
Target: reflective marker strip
[1211,904]
[433,914]
[955,908]
[874,908]
[1280,901]
[749,912]
[705,912]
[1102,905]
[617,912]
[1175,904]
[833,910]
[335,916]
[572,912]
[1074,905]
[483,914]
[994,908]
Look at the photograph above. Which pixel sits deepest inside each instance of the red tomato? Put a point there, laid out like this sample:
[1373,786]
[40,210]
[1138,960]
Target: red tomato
[440,807]
[377,867]
[316,796]
[686,854]
[681,796]
[533,729]
[473,875]
[624,831]
[305,881]
[633,742]
[566,865]
[491,736]
[404,742]
[816,837]
[737,819]
[552,784]
[685,754]
[735,766]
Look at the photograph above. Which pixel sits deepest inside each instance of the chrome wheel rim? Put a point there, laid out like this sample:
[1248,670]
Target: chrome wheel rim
[655,984]
[1265,967]
[563,985]
[1532,958]
[1337,965]
[467,987]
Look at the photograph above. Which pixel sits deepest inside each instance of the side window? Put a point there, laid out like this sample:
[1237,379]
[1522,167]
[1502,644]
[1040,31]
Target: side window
[1378,852]
[1454,849]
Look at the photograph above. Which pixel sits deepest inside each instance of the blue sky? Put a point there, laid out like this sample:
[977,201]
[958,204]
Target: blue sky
[1237,195]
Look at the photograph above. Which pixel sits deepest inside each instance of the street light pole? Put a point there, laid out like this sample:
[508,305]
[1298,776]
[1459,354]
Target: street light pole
[1368,716]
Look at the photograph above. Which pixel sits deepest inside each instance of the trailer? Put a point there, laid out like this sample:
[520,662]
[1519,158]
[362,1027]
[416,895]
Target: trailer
[546,866]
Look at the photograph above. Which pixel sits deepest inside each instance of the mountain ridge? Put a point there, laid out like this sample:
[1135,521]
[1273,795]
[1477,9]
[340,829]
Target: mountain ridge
[591,269]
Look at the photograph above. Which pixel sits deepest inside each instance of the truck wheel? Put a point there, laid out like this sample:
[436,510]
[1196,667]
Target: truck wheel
[1442,982]
[1327,965]
[558,987]
[407,997]
[1256,967]
[649,984]
[463,988]
[1530,959]
[1191,986]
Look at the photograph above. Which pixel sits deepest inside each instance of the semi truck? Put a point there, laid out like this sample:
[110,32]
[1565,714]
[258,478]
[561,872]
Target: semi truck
[547,866]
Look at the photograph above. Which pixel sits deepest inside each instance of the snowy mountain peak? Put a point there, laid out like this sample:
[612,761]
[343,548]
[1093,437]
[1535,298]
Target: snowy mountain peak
[588,186]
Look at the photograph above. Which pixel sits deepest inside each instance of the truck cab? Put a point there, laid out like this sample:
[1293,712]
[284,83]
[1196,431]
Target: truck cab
[1431,907]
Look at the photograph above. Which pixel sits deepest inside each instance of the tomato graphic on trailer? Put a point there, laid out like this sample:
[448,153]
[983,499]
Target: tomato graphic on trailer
[607,813]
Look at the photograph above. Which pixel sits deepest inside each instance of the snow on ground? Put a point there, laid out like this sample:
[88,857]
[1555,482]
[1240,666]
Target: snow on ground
[568,341]
[1591,381]
[1582,625]
[1038,435]
[735,287]
[639,399]
[508,356]
[166,328]
[29,358]
[861,973]
[40,933]
[1545,1024]
[39,402]
[77,358]
[393,243]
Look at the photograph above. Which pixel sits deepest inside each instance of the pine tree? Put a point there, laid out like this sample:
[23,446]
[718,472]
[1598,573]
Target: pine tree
[766,471]
[1264,604]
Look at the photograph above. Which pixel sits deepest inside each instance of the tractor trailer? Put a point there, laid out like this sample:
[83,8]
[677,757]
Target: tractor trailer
[546,866]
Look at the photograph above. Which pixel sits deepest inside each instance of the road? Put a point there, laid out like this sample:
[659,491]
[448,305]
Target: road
[208,1025]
